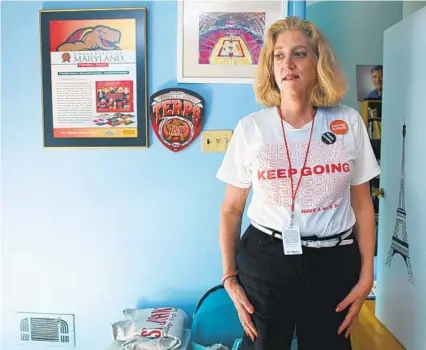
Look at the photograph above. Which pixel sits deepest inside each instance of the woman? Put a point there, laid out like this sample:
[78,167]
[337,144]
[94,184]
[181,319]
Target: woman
[306,260]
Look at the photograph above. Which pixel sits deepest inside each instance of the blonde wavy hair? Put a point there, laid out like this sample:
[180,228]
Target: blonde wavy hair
[331,84]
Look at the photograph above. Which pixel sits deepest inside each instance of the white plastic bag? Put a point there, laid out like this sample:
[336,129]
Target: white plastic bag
[166,325]
[138,342]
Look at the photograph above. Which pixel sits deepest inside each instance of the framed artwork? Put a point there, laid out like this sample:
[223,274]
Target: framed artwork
[220,41]
[94,77]
[369,82]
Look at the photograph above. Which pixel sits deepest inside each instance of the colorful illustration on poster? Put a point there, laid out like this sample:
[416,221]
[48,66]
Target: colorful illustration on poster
[116,119]
[92,35]
[93,64]
[92,38]
[230,38]
[176,116]
[114,96]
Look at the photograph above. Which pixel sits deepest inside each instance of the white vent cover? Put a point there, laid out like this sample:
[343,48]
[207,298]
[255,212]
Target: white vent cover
[47,329]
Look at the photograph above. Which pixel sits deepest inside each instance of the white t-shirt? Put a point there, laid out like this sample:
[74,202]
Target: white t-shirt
[257,158]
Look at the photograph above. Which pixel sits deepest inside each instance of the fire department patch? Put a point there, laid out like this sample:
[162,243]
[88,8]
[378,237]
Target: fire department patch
[176,117]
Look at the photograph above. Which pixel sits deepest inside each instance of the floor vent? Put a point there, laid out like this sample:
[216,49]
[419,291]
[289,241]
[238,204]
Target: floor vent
[47,329]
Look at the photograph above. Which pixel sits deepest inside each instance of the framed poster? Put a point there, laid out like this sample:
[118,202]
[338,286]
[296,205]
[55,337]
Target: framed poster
[94,77]
[220,41]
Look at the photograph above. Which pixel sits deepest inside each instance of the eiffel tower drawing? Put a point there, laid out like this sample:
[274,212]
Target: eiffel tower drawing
[399,243]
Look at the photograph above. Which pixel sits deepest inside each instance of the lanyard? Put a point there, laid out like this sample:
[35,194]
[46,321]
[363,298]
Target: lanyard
[290,172]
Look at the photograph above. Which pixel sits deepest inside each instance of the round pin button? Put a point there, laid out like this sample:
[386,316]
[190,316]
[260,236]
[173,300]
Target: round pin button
[339,127]
[328,138]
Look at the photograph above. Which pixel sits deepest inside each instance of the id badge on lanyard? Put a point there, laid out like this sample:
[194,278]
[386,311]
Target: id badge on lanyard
[292,242]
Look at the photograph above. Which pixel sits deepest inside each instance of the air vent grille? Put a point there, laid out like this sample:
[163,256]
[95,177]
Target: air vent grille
[47,329]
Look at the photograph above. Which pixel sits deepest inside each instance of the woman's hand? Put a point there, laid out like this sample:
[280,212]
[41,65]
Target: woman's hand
[243,306]
[355,299]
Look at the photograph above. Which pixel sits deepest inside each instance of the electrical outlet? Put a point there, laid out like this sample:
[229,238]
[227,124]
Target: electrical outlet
[215,140]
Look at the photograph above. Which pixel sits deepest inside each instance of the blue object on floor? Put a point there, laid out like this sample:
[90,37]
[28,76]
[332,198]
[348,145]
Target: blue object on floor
[215,321]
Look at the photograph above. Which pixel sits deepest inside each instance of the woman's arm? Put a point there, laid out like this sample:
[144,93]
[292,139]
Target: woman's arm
[229,235]
[365,228]
[365,231]
[230,225]
[365,166]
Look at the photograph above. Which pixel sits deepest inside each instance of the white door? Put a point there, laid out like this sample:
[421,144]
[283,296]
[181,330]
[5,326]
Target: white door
[401,269]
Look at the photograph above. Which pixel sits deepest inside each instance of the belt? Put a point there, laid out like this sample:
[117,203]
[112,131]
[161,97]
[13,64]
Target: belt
[324,242]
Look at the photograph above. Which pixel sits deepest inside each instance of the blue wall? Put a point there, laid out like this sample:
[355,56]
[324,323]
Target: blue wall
[355,30]
[93,231]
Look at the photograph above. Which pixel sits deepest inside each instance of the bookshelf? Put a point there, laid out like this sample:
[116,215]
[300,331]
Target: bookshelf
[371,113]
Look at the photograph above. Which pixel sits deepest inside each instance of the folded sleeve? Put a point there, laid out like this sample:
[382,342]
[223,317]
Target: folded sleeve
[235,167]
[365,165]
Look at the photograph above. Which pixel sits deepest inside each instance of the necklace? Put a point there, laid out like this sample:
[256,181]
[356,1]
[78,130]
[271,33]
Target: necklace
[290,169]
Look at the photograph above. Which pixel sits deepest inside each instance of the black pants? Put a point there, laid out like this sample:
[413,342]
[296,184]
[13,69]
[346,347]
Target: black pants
[296,292]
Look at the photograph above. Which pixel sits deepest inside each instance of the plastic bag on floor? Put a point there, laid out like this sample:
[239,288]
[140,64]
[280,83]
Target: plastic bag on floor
[138,342]
[164,325]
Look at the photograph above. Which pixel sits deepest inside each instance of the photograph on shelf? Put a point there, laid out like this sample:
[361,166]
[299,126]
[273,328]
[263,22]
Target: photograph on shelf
[369,82]
[220,42]
[94,77]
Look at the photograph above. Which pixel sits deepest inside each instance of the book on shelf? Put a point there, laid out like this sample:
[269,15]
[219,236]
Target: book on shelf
[374,125]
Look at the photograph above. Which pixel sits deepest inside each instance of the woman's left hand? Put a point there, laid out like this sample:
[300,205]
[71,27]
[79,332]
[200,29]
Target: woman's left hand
[355,299]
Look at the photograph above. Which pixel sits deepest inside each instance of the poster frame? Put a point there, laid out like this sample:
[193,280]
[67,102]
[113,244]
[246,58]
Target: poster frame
[139,14]
[188,69]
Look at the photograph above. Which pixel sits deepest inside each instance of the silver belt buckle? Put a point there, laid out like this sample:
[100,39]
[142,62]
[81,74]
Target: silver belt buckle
[313,244]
